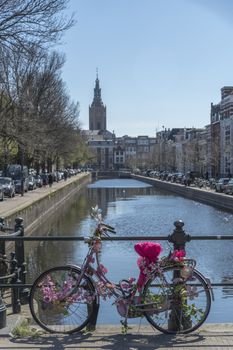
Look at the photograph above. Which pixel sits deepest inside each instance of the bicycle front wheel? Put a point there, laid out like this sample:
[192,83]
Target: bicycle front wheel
[174,304]
[59,304]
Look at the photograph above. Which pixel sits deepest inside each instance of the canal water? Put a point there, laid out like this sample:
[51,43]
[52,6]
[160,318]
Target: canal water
[137,209]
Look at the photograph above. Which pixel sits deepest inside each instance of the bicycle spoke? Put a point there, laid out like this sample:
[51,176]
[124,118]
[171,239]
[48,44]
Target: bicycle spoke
[178,308]
[58,304]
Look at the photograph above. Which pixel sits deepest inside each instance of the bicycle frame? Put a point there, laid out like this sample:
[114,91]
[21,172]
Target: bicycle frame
[103,285]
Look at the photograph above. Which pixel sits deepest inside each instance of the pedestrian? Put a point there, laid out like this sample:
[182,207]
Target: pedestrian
[65,175]
[44,179]
[50,179]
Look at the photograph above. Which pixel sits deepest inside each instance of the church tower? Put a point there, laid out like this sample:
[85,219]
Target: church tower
[97,110]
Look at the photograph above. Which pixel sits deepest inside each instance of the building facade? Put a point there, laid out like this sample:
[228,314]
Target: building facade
[221,116]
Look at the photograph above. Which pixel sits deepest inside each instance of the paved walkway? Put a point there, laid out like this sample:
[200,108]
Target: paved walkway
[10,206]
[109,337]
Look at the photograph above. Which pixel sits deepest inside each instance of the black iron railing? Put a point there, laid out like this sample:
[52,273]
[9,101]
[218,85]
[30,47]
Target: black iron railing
[15,278]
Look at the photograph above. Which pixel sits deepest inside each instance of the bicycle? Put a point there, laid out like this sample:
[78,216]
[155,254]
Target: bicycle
[170,293]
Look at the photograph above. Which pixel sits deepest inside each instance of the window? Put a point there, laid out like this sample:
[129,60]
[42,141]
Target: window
[227,134]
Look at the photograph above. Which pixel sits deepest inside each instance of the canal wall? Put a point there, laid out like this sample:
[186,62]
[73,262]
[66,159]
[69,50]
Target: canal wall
[215,199]
[35,211]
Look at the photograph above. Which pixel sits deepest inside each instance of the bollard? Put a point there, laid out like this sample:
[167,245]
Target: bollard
[19,254]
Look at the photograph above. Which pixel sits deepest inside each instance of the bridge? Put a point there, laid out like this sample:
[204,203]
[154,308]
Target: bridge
[210,336]
[111,174]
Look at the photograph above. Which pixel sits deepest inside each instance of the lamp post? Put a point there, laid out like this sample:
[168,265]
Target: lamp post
[22,179]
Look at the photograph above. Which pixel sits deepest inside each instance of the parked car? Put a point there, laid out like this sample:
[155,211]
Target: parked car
[221,183]
[18,185]
[31,183]
[39,181]
[229,187]
[8,186]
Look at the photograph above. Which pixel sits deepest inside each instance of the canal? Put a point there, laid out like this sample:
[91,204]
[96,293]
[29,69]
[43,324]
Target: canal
[136,209]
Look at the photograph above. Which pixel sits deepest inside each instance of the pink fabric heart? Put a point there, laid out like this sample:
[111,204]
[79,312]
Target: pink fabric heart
[149,252]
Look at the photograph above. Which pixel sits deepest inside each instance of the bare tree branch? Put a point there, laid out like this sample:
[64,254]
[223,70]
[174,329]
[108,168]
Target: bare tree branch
[32,21]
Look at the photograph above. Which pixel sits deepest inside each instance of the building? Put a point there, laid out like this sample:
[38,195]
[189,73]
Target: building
[97,110]
[111,152]
[221,116]
[214,140]
[98,138]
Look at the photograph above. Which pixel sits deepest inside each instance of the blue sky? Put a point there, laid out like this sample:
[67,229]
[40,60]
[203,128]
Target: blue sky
[160,62]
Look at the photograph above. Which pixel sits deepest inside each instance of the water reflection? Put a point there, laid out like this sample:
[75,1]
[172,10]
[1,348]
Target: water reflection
[227,290]
[137,209]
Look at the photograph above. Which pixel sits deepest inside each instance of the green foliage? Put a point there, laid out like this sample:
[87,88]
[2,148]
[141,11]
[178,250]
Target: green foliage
[124,326]
[25,330]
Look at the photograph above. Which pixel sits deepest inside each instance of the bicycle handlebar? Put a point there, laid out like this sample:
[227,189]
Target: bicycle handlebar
[96,214]
[104,227]
[108,228]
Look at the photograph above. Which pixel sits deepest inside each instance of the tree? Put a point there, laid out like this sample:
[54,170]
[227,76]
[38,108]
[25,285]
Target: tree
[37,114]
[37,117]
[23,22]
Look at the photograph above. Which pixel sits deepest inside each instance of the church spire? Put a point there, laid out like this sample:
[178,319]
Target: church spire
[97,101]
[97,110]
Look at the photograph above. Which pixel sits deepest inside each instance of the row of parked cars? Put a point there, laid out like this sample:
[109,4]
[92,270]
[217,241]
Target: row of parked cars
[10,187]
[222,185]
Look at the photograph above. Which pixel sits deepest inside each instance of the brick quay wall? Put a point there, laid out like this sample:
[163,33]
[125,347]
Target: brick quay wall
[203,195]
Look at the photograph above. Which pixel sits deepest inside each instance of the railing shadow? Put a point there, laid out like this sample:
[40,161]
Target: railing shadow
[114,341]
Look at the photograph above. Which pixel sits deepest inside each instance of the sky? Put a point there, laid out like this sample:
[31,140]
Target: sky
[160,62]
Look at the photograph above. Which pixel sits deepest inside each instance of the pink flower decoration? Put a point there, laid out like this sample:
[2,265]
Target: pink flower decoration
[102,269]
[178,255]
[131,280]
[91,259]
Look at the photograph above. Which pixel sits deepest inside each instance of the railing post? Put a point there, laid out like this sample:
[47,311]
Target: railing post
[2,313]
[179,239]
[91,326]
[2,304]
[2,223]
[3,244]
[19,254]
[15,301]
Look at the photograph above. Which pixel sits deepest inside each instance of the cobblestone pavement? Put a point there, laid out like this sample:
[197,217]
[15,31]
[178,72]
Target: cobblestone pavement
[212,336]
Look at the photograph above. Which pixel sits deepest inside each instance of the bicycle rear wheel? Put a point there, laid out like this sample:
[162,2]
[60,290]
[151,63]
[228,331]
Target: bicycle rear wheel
[174,304]
[60,305]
